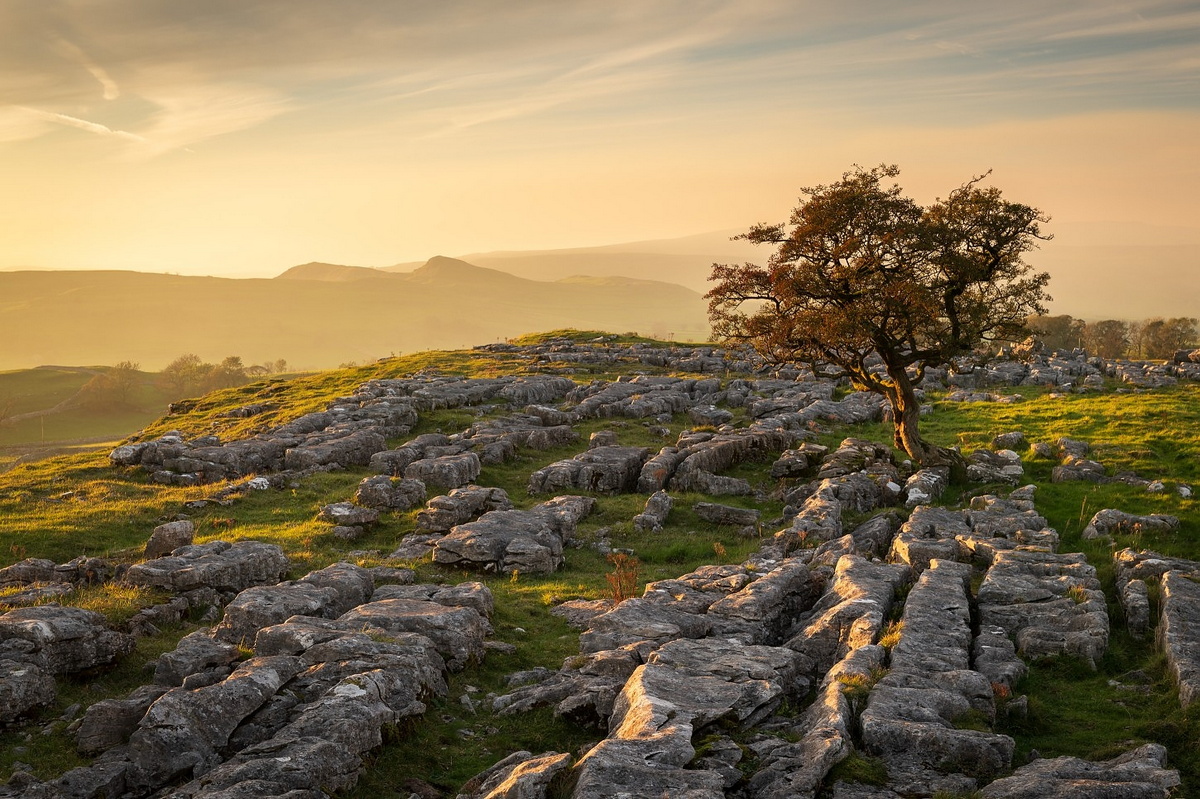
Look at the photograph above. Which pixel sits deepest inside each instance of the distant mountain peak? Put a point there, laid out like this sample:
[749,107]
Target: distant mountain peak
[440,269]
[333,273]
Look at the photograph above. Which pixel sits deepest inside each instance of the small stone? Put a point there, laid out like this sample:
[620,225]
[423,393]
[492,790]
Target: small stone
[346,532]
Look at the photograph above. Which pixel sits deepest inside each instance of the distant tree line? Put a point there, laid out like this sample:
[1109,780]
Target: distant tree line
[111,389]
[1113,338]
[188,376]
[116,387]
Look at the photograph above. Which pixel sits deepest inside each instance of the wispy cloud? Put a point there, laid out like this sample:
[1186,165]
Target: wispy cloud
[20,124]
[188,115]
[85,125]
[110,89]
[226,66]
[1158,18]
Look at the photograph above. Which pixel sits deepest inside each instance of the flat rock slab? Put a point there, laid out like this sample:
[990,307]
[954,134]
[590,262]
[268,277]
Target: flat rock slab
[622,768]
[183,732]
[730,602]
[350,448]
[853,455]
[166,538]
[703,460]
[23,688]
[1110,521]
[219,565]
[705,680]
[930,533]
[382,492]
[1137,774]
[765,609]
[925,486]
[819,518]
[347,514]
[446,472]
[851,613]
[1179,632]
[1049,603]
[458,632]
[195,652]
[463,595]
[326,593]
[910,713]
[607,470]
[579,613]
[521,775]
[654,514]
[529,541]
[684,688]
[30,570]
[110,722]
[461,506]
[60,640]
[1149,565]
[727,514]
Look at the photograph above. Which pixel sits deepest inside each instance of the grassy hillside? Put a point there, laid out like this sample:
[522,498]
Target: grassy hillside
[42,412]
[75,505]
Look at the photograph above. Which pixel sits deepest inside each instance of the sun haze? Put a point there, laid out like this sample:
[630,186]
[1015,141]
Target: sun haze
[239,138]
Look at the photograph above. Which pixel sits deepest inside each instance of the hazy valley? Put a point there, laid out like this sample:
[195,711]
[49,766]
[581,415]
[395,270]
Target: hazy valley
[316,315]
[319,315]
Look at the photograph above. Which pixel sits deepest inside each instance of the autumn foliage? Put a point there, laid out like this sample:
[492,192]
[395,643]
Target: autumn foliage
[866,283]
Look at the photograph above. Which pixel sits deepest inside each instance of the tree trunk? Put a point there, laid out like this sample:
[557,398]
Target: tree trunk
[906,414]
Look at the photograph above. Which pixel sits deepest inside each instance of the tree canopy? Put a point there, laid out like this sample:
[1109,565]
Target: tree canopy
[867,282]
[1115,338]
[187,374]
[1161,338]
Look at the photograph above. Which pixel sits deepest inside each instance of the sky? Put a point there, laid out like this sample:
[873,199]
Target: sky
[241,137]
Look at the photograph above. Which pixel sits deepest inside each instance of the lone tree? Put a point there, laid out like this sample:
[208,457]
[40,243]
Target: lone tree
[868,284]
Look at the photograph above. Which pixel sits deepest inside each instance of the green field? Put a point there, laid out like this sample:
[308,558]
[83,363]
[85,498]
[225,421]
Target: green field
[43,413]
[70,505]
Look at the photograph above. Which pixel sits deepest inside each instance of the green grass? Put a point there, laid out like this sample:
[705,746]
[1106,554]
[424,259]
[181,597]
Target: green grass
[1076,711]
[859,768]
[588,336]
[1154,433]
[49,387]
[78,505]
[26,390]
[78,424]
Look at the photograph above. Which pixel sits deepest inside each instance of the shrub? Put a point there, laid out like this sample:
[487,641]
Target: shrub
[623,580]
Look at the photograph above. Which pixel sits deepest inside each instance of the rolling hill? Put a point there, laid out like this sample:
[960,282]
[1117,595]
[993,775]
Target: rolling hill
[323,314]
[315,315]
[1098,270]
[686,261]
